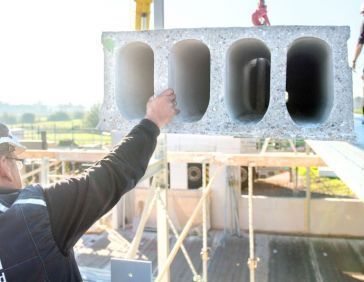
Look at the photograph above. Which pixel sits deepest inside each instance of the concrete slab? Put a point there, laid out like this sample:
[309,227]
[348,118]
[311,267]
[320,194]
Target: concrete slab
[346,160]
[282,258]
[279,82]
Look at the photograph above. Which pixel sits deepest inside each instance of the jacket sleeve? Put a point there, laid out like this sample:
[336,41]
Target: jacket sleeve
[75,204]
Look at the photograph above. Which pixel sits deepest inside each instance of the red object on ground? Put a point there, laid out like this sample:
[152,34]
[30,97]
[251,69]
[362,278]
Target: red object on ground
[260,16]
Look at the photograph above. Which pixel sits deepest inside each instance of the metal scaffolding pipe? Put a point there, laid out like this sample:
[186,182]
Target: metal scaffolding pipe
[184,233]
[252,261]
[204,251]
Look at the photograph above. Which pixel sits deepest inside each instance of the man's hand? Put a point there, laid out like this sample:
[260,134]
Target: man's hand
[161,109]
[353,66]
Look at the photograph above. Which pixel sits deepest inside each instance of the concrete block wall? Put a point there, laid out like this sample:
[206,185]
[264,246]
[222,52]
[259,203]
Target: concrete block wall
[181,204]
[327,217]
[280,81]
[202,143]
[197,143]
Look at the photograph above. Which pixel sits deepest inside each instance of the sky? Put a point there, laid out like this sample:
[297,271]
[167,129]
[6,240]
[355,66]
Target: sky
[51,52]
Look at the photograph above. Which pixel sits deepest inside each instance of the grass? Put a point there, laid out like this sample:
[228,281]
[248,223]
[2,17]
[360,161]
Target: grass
[58,131]
[42,123]
[358,111]
[81,138]
[326,185]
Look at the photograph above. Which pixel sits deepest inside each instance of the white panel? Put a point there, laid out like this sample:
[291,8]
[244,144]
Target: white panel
[178,172]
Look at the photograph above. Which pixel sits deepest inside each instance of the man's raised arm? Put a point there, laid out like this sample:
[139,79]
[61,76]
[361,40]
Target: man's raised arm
[75,204]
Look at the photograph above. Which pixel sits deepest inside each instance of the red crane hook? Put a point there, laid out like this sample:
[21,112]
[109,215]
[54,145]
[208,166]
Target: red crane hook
[260,16]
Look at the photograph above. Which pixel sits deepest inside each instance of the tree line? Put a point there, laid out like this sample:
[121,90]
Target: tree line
[90,118]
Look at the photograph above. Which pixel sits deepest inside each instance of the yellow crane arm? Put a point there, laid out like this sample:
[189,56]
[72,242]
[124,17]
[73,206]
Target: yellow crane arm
[142,15]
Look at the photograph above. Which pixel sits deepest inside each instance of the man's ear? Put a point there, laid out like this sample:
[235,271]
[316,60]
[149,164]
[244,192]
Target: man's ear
[5,170]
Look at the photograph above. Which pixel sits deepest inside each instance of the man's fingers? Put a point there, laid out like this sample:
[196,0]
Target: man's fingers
[171,97]
[168,92]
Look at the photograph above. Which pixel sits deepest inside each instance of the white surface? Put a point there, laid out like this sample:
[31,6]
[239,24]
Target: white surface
[346,160]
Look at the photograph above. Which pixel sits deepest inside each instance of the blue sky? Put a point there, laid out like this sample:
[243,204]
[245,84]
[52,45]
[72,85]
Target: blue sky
[50,51]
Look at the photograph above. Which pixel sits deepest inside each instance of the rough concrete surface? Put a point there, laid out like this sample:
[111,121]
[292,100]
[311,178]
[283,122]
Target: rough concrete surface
[279,82]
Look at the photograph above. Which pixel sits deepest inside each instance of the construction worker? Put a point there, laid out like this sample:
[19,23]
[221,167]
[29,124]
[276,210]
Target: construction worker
[40,225]
[358,48]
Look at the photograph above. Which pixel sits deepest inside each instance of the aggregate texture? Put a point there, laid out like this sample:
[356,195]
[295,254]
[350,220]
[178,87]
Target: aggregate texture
[229,52]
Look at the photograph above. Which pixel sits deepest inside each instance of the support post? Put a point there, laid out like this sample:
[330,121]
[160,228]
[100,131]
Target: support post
[63,168]
[293,146]
[252,261]
[295,187]
[308,195]
[204,251]
[44,173]
[162,208]
[43,135]
[265,145]
[177,245]
[308,201]
[196,277]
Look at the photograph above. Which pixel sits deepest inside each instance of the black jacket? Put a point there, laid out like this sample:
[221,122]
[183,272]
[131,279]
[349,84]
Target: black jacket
[75,204]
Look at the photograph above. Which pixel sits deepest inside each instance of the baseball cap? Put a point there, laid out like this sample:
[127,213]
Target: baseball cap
[8,142]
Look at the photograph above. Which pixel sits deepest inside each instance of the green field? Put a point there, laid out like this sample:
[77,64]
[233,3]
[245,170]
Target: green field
[358,111]
[43,123]
[326,185]
[64,132]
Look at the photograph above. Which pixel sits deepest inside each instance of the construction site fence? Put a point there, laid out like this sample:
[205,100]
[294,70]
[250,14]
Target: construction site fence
[65,135]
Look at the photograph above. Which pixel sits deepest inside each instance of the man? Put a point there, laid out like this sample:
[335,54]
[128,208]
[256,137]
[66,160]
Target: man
[39,226]
[358,48]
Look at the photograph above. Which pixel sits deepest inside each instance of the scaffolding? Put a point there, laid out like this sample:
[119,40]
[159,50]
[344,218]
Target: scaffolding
[158,197]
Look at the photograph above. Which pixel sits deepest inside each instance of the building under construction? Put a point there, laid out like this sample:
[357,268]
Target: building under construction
[228,194]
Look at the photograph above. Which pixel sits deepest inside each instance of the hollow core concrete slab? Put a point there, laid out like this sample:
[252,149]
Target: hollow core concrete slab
[279,82]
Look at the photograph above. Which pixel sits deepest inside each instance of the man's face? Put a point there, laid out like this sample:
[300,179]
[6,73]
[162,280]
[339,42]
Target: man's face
[9,172]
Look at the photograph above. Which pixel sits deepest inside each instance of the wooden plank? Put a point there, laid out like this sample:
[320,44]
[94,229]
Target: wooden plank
[290,260]
[228,262]
[267,159]
[346,160]
[337,261]
[180,270]
[63,155]
[286,257]
[163,233]
[81,156]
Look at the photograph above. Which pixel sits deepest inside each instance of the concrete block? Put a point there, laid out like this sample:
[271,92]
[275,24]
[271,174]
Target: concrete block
[278,82]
